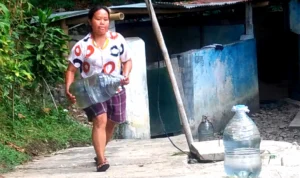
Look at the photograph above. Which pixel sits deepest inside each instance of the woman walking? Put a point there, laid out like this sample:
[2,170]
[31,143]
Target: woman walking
[101,51]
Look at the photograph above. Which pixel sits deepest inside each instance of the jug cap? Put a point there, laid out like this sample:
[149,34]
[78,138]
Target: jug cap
[240,107]
[204,119]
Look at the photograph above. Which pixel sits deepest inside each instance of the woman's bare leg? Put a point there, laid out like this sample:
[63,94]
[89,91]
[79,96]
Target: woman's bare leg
[110,126]
[99,136]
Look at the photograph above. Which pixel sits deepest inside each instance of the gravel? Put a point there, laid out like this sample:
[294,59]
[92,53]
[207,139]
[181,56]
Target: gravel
[273,121]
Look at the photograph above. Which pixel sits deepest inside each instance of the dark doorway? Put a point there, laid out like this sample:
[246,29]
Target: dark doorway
[277,54]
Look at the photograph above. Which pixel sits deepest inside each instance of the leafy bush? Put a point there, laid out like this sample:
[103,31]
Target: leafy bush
[30,53]
[36,131]
[32,57]
[12,69]
[54,4]
[45,46]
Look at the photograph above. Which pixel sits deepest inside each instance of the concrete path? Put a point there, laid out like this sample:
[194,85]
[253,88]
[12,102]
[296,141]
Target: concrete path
[142,159]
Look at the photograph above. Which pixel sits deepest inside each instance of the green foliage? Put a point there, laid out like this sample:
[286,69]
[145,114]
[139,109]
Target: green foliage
[108,3]
[275,8]
[54,4]
[32,54]
[46,46]
[10,158]
[29,52]
[12,69]
[36,130]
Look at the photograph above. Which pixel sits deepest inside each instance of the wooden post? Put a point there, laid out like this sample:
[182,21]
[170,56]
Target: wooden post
[249,19]
[65,28]
[165,53]
[249,32]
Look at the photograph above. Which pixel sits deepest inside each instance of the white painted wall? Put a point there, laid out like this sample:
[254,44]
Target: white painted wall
[138,116]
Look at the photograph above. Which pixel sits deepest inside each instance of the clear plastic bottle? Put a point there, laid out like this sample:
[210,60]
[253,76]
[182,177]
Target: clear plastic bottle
[241,139]
[95,89]
[205,130]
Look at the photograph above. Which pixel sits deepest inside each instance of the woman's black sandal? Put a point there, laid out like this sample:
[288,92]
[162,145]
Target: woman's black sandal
[102,167]
[96,159]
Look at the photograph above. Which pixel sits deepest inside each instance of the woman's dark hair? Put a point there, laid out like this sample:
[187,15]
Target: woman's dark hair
[95,9]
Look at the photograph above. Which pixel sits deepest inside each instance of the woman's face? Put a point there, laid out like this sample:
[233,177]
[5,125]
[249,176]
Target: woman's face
[100,22]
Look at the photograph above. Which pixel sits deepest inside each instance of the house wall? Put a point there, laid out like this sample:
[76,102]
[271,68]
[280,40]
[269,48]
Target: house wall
[294,21]
[294,8]
[223,34]
[177,39]
[180,39]
[137,101]
[220,80]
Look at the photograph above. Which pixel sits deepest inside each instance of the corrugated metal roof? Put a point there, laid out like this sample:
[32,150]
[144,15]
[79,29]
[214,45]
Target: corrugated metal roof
[161,5]
[198,3]
[70,13]
[130,6]
[180,5]
[64,15]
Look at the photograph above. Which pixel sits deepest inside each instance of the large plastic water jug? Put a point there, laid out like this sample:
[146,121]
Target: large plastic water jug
[241,139]
[205,130]
[95,89]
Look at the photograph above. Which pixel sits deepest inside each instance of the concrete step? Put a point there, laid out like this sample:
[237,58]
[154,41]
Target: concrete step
[296,121]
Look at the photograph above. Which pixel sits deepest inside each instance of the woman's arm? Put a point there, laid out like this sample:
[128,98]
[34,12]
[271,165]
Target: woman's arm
[69,79]
[127,66]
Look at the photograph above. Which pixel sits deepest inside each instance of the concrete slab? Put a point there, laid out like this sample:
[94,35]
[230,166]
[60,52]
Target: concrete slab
[291,101]
[214,150]
[296,121]
[141,159]
[209,150]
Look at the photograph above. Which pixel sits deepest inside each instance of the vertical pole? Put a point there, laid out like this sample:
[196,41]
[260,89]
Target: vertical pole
[249,19]
[65,28]
[165,53]
[112,26]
